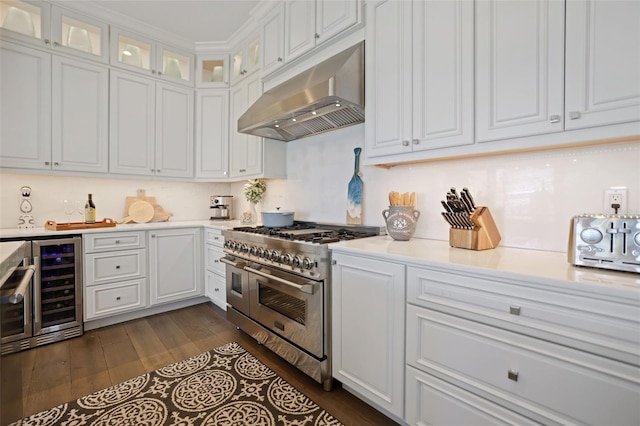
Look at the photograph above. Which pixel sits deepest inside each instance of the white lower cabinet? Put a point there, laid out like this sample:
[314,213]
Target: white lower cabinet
[368,303]
[489,351]
[115,273]
[215,271]
[175,270]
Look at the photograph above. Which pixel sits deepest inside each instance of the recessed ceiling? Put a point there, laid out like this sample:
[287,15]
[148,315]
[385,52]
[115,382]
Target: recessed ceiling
[198,21]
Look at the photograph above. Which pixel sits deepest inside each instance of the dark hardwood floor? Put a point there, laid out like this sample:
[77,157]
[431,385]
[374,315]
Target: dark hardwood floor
[63,371]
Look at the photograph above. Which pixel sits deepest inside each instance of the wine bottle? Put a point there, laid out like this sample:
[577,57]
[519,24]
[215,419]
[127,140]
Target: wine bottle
[90,211]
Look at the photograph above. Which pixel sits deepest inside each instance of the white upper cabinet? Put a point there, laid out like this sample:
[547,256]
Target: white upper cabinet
[245,59]
[79,35]
[310,23]
[80,129]
[419,67]
[54,111]
[212,71]
[144,55]
[25,107]
[66,31]
[272,41]
[151,127]
[245,150]
[520,68]
[212,134]
[603,63]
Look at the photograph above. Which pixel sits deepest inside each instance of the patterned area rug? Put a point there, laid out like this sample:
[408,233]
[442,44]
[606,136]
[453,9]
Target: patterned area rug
[226,386]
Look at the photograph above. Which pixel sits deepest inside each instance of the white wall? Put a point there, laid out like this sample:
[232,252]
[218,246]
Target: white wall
[532,196]
[186,200]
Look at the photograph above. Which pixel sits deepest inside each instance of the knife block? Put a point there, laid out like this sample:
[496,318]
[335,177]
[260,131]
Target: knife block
[484,235]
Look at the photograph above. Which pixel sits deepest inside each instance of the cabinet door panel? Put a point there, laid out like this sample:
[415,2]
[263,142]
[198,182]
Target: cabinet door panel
[80,116]
[175,270]
[132,121]
[388,88]
[174,131]
[272,42]
[520,64]
[25,107]
[443,74]
[300,28]
[212,137]
[333,17]
[603,63]
[368,303]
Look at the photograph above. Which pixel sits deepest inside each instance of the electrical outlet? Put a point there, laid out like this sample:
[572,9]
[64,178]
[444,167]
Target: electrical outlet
[615,195]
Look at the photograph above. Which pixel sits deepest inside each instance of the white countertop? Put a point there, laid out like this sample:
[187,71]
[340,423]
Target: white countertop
[534,266]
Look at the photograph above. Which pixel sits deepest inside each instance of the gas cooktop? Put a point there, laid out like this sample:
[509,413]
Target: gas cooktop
[311,232]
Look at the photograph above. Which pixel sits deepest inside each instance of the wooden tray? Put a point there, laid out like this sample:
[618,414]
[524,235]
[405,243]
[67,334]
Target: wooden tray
[53,226]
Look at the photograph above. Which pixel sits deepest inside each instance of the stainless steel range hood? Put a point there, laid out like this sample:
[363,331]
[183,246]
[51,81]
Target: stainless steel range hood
[326,97]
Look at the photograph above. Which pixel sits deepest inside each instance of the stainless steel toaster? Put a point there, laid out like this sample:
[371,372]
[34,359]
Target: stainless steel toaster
[605,241]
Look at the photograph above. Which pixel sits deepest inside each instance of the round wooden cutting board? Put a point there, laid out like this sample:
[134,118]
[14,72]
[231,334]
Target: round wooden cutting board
[140,212]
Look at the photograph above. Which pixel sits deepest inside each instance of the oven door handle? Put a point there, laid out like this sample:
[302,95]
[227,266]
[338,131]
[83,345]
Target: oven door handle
[309,287]
[239,265]
[18,294]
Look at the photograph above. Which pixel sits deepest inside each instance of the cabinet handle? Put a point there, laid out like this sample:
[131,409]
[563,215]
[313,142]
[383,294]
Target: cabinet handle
[117,241]
[513,375]
[334,262]
[159,72]
[118,298]
[153,71]
[56,44]
[117,266]
[554,118]
[46,163]
[514,310]
[574,115]
[243,170]
[47,41]
[216,289]
[153,235]
[56,163]
[279,59]
[317,36]
[416,141]
[158,170]
[405,143]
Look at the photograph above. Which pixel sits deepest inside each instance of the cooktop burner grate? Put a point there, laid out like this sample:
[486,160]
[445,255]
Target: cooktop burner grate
[310,233]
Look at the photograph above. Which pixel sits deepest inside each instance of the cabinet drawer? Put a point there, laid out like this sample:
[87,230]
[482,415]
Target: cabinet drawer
[547,382]
[215,289]
[113,241]
[212,260]
[582,321]
[431,401]
[115,266]
[111,299]
[213,236]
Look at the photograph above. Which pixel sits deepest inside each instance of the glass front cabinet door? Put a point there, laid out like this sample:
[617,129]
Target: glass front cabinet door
[174,65]
[80,35]
[212,71]
[26,22]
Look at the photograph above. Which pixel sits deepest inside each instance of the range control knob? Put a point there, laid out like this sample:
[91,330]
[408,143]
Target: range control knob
[227,244]
[232,244]
[591,236]
[244,248]
[275,255]
[297,261]
[253,250]
[267,254]
[261,252]
[307,263]
[287,259]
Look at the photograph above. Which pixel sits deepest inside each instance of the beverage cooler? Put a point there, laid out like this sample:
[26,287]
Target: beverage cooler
[51,310]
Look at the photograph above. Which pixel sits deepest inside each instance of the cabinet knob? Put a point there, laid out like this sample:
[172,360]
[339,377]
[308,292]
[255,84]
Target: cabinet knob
[317,36]
[56,163]
[216,289]
[575,115]
[242,170]
[56,44]
[279,59]
[153,235]
[153,71]
[334,262]
[117,266]
[46,163]
[118,298]
[513,375]
[158,170]
[514,310]
[405,143]
[117,241]
[416,141]
[555,118]
[159,72]
[47,41]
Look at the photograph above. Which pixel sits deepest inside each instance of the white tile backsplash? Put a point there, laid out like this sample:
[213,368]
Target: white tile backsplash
[532,196]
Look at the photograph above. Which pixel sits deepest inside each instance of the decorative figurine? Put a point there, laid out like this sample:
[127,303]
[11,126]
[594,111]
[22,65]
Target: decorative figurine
[26,222]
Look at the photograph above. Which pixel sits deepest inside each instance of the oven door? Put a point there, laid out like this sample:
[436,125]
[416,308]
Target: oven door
[288,305]
[237,284]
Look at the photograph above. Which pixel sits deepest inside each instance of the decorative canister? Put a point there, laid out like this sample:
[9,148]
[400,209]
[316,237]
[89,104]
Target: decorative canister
[401,221]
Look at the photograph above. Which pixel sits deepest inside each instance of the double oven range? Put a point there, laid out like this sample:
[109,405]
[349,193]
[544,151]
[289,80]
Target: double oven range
[278,289]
